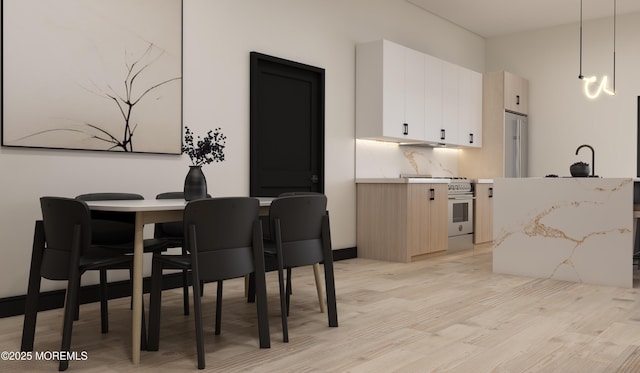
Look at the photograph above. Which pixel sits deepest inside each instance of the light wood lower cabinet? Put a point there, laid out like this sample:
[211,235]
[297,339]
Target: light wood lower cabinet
[483,214]
[399,222]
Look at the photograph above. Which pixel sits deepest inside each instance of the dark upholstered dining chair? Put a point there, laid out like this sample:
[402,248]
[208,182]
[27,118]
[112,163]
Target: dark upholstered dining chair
[224,241]
[62,250]
[173,233]
[300,228]
[113,230]
[116,230]
[270,263]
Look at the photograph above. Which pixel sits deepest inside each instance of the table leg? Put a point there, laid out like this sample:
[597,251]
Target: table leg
[319,287]
[136,326]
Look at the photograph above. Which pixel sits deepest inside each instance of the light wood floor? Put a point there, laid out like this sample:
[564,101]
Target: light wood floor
[445,314]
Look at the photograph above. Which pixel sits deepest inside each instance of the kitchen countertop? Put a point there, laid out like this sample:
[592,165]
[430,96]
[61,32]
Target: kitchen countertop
[483,181]
[408,180]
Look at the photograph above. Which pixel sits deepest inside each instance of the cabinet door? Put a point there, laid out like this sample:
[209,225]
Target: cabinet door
[433,99]
[516,93]
[450,89]
[470,108]
[439,217]
[465,103]
[403,93]
[483,214]
[418,219]
[414,93]
[393,90]
[475,127]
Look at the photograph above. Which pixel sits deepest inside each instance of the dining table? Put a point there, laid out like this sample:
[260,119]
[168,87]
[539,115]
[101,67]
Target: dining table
[150,211]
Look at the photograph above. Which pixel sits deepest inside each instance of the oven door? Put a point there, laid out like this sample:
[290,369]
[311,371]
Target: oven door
[460,215]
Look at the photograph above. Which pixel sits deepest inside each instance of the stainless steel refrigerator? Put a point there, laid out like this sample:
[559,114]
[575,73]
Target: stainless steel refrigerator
[515,147]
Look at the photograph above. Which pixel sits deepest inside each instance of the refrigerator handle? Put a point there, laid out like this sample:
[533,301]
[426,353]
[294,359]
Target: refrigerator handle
[518,148]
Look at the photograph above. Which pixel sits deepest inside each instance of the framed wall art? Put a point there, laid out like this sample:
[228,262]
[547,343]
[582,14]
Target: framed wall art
[92,75]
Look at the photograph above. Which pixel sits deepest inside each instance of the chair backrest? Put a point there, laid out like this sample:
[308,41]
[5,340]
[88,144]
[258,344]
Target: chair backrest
[67,233]
[111,227]
[300,220]
[222,234]
[172,230]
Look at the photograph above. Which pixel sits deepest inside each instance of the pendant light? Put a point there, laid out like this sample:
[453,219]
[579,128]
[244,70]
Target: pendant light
[589,80]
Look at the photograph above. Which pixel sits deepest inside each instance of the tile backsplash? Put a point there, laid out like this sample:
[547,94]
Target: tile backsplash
[377,159]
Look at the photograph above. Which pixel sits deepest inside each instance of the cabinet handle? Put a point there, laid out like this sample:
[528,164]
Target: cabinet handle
[442,134]
[517,99]
[471,138]
[405,130]
[432,194]
[490,192]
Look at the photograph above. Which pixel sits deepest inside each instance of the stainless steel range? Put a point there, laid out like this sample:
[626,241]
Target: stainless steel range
[460,214]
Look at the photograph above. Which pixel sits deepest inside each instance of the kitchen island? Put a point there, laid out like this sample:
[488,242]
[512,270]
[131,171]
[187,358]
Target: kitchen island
[572,229]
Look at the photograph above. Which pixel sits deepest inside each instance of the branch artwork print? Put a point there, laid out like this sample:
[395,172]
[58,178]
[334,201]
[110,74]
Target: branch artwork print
[124,99]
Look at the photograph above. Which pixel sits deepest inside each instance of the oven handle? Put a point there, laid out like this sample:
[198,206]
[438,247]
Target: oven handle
[461,198]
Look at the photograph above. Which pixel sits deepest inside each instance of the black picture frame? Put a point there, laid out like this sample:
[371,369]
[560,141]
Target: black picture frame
[102,75]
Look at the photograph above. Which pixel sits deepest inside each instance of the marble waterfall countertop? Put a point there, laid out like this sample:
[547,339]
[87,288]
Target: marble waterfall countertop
[572,229]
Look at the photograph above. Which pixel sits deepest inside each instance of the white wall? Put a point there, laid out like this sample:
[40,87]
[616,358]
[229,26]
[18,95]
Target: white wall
[218,36]
[561,116]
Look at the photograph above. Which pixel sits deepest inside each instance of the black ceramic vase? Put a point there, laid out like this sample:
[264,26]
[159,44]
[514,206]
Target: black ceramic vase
[195,184]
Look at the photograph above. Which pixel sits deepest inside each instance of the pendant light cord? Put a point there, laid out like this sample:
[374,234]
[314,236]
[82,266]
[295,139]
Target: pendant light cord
[580,76]
[614,46]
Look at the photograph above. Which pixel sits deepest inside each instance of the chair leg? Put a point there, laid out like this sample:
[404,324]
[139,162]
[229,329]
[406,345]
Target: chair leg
[327,253]
[283,307]
[218,308]
[143,331]
[257,280]
[332,312]
[319,288]
[251,288]
[288,289]
[263,313]
[33,290]
[197,304]
[185,291]
[154,306]
[72,299]
[104,312]
[131,285]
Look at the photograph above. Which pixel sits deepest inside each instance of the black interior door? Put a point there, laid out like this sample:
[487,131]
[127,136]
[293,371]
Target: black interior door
[287,127]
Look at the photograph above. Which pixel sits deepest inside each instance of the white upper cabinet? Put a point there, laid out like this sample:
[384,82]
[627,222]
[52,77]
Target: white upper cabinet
[414,99]
[433,99]
[516,96]
[450,103]
[406,96]
[469,108]
[389,92]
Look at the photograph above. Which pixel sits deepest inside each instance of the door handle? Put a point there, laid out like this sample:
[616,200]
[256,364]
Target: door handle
[432,194]
[405,130]
[314,179]
[490,192]
[517,99]
[471,138]
[442,134]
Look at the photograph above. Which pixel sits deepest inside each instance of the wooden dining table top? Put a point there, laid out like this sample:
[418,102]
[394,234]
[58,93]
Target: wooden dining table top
[152,204]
